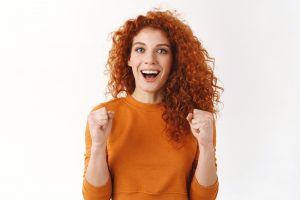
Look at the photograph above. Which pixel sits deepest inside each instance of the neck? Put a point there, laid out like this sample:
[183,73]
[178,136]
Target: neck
[146,97]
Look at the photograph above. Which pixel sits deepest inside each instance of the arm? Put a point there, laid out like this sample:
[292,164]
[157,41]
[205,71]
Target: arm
[204,184]
[206,171]
[96,179]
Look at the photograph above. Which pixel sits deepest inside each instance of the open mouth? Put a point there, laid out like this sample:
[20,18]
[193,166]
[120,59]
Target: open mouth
[150,75]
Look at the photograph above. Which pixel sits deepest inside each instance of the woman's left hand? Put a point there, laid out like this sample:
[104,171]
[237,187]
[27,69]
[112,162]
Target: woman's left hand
[201,123]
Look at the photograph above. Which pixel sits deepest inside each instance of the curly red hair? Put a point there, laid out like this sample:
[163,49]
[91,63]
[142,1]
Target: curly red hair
[191,83]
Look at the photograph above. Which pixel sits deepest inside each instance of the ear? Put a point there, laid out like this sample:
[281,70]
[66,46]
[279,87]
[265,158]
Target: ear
[129,62]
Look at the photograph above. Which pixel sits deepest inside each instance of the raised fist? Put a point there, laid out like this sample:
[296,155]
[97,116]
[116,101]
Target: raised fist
[100,123]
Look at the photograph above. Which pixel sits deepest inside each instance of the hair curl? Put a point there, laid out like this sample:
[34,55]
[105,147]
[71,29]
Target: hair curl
[191,83]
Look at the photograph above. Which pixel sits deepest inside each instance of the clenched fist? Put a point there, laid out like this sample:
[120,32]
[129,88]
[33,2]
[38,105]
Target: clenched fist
[201,123]
[100,123]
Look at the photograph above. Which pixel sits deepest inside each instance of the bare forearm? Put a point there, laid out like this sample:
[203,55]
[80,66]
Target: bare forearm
[206,172]
[97,172]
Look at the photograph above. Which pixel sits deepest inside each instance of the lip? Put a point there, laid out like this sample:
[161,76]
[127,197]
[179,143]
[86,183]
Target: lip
[150,81]
[150,69]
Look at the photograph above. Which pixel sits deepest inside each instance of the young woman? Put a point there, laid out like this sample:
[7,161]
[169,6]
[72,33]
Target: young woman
[156,138]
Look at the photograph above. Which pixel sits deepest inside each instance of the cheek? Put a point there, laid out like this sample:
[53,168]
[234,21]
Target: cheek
[135,61]
[167,64]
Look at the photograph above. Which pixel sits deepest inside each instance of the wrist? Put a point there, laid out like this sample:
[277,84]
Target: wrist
[207,147]
[207,152]
[98,149]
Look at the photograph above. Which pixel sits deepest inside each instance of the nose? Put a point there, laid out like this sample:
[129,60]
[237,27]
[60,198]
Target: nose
[150,58]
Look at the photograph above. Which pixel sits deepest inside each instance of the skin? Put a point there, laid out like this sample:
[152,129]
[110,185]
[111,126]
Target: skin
[201,123]
[150,50]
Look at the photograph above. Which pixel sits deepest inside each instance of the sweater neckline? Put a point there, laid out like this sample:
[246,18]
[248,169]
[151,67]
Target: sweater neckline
[143,106]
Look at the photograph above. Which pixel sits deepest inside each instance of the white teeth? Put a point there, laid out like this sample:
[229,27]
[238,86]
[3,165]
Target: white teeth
[150,72]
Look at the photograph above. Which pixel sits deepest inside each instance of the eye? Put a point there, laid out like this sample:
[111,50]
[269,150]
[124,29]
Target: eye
[140,50]
[162,51]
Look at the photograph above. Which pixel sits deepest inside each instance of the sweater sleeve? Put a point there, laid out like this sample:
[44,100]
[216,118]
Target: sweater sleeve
[200,192]
[89,191]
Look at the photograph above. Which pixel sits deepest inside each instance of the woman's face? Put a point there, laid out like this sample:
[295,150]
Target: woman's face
[150,59]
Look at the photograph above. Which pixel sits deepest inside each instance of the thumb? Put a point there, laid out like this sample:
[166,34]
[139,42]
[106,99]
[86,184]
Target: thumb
[189,117]
[110,121]
[110,114]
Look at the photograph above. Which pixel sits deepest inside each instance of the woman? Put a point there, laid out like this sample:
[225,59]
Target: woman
[158,140]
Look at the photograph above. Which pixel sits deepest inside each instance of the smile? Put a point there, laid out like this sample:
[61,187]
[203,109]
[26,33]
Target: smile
[150,75]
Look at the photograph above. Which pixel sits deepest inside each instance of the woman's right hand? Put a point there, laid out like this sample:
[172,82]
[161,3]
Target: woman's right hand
[100,123]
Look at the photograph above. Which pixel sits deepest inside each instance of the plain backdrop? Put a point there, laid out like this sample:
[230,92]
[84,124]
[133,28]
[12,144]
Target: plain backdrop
[52,59]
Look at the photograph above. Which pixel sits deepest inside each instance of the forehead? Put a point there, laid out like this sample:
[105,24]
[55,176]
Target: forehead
[151,35]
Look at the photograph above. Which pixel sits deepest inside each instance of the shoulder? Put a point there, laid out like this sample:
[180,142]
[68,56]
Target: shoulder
[110,104]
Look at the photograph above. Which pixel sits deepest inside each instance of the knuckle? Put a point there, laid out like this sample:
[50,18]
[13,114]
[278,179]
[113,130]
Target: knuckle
[90,116]
[103,109]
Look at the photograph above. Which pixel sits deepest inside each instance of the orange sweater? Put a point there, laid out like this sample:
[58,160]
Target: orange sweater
[143,165]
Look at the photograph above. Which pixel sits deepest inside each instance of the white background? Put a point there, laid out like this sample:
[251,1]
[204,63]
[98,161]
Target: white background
[52,58]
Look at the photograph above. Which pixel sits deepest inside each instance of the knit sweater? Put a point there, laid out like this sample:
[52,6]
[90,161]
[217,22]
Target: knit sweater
[143,163]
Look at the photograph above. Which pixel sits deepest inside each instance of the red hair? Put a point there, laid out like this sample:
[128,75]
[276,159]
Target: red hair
[191,83]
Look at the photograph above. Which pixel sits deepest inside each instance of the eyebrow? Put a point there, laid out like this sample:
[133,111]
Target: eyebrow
[141,43]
